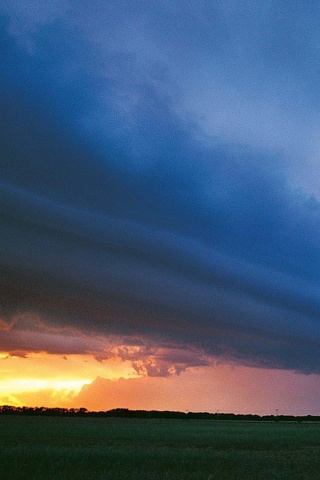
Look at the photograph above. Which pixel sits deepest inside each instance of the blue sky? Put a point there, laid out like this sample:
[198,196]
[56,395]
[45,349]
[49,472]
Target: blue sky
[160,163]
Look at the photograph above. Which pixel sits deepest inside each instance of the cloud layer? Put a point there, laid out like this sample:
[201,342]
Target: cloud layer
[141,197]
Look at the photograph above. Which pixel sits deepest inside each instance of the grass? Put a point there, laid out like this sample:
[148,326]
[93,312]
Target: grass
[42,448]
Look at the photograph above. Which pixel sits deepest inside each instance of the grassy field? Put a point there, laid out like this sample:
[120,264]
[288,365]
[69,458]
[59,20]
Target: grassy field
[140,449]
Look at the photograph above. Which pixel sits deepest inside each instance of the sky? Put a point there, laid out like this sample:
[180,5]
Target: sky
[160,205]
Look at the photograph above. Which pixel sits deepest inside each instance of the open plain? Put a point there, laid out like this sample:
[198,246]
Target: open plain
[43,448]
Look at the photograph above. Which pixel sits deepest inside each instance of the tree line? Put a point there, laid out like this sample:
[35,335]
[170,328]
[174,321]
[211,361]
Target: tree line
[126,413]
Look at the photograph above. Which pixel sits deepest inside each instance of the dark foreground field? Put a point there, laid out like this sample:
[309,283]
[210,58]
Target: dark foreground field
[140,449]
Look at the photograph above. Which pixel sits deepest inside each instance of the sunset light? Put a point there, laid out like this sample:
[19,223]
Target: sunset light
[59,377]
[160,205]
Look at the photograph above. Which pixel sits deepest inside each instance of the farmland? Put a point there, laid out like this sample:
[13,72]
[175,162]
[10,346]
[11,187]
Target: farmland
[42,448]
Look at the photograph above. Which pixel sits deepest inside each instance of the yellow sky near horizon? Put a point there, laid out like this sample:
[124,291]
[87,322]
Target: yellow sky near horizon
[74,381]
[62,375]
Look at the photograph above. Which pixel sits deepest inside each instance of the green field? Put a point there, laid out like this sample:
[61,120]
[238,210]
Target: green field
[137,449]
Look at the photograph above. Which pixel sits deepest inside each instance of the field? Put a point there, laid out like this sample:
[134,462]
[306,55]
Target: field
[140,449]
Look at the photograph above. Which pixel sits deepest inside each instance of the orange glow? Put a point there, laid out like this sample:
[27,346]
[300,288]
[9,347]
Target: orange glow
[41,379]
[222,388]
[26,378]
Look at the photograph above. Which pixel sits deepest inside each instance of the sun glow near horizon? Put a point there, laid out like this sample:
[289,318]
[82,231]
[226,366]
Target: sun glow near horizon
[24,379]
[74,381]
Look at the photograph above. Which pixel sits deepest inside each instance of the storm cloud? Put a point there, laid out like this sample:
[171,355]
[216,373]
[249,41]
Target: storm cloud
[127,211]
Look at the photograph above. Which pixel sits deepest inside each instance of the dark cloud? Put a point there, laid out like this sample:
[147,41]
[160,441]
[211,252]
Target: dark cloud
[119,216]
[27,333]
